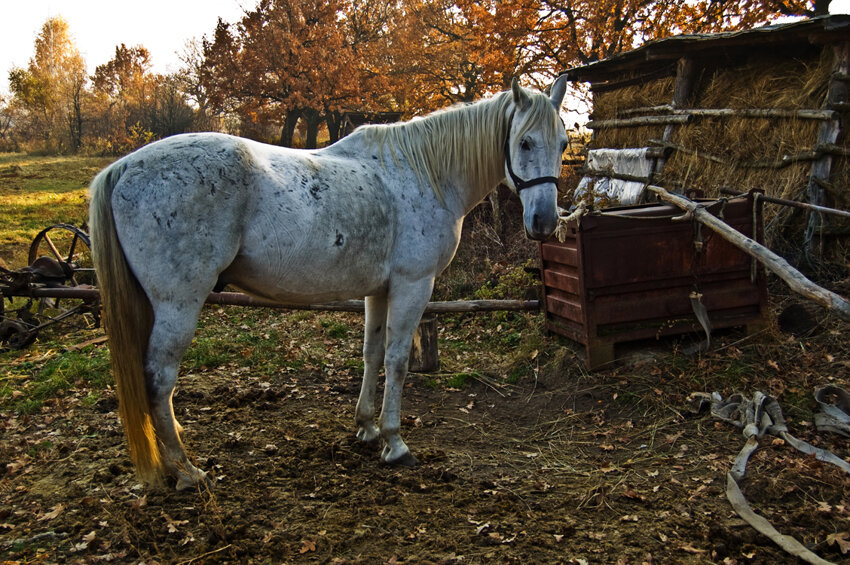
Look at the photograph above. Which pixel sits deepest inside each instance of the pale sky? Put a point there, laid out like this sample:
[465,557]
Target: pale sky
[98,26]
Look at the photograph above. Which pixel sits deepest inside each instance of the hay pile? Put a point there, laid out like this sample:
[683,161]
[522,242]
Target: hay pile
[737,152]
[619,103]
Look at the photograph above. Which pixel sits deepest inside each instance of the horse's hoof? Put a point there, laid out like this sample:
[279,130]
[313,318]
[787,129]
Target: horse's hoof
[406,460]
[202,482]
[368,435]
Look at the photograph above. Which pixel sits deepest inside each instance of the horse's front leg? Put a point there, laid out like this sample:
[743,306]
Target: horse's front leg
[373,357]
[406,304]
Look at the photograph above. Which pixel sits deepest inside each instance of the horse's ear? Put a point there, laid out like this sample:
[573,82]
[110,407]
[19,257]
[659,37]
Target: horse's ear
[521,99]
[559,88]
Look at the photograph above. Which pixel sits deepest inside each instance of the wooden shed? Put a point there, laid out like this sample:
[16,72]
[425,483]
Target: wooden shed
[762,112]
[762,109]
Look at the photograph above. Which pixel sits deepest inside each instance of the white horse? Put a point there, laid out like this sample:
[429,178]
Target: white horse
[378,214]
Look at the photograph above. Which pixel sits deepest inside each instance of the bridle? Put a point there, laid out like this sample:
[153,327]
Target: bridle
[520,184]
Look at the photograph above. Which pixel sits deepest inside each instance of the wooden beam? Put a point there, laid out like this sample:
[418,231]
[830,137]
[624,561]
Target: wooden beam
[828,134]
[450,306]
[663,108]
[683,116]
[239,299]
[817,153]
[792,203]
[802,114]
[638,122]
[682,89]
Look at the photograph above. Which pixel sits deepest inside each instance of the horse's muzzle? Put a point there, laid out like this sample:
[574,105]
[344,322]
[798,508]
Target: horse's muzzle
[541,226]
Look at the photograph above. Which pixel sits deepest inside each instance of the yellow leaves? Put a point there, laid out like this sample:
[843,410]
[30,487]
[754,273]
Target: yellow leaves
[841,539]
[139,503]
[307,546]
[54,512]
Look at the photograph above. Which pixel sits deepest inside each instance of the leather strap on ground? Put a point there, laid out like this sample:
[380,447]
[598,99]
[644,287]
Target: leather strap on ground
[763,416]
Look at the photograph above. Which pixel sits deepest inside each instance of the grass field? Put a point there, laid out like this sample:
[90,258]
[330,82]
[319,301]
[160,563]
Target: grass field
[36,192]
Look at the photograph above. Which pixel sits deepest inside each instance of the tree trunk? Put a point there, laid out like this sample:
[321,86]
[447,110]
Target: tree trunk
[313,120]
[333,119]
[288,129]
[822,7]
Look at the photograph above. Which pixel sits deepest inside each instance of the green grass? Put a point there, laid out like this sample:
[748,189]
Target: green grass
[334,329]
[207,353]
[36,192]
[25,386]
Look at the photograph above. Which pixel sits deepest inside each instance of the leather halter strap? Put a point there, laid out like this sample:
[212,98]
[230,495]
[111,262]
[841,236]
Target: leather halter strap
[519,183]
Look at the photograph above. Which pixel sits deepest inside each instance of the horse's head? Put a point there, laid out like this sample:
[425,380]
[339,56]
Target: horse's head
[534,149]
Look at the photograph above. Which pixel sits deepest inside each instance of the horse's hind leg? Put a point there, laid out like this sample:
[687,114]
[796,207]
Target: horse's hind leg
[172,334]
[373,358]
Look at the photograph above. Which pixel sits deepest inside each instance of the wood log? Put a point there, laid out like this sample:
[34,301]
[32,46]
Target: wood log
[828,134]
[793,203]
[638,122]
[832,149]
[815,154]
[792,277]
[683,116]
[682,88]
[239,299]
[663,108]
[803,114]
[424,357]
[449,306]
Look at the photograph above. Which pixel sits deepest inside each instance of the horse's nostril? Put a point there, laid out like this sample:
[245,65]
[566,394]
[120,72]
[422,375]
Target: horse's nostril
[535,223]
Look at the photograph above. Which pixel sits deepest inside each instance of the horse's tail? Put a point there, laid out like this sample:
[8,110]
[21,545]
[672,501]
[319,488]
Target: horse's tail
[128,319]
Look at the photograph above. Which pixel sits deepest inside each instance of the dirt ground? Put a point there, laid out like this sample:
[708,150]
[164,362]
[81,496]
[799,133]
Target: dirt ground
[563,466]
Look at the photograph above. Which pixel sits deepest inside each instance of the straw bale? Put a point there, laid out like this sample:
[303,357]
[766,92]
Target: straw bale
[761,82]
[608,105]
[776,84]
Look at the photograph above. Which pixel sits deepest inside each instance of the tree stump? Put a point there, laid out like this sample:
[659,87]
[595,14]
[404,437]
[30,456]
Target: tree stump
[424,357]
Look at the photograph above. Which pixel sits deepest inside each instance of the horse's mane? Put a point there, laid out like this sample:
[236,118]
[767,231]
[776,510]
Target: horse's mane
[465,139]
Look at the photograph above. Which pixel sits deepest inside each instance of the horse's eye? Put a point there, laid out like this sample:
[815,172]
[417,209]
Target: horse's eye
[563,147]
[524,145]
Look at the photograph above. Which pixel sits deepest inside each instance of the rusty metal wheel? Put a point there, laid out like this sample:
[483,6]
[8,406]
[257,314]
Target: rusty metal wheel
[64,251]
[60,256]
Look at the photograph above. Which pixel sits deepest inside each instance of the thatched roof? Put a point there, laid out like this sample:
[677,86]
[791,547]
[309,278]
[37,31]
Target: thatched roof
[658,58]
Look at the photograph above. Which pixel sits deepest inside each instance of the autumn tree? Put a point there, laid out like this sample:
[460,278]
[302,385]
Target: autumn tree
[49,92]
[574,32]
[124,86]
[168,112]
[367,27]
[437,49]
[284,61]
[191,84]
[7,141]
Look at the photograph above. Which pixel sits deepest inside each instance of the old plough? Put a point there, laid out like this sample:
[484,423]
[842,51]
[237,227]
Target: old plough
[57,287]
